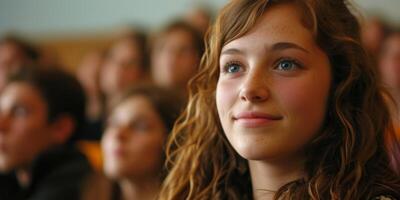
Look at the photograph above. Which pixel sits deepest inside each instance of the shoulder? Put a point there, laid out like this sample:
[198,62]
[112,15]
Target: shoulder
[59,175]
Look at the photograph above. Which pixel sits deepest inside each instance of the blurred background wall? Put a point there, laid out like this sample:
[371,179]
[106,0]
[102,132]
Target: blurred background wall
[51,17]
[72,27]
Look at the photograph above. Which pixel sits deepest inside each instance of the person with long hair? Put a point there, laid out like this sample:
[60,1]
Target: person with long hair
[287,105]
[175,55]
[126,63]
[133,145]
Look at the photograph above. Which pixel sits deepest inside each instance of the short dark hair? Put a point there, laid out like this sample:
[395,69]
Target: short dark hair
[29,51]
[61,91]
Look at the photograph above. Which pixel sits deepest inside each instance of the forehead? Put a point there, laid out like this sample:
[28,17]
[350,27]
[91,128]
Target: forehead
[124,47]
[394,40]
[279,23]
[135,105]
[21,92]
[177,35]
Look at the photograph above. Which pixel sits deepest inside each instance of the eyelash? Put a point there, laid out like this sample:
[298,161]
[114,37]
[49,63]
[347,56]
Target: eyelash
[276,64]
[291,60]
[230,63]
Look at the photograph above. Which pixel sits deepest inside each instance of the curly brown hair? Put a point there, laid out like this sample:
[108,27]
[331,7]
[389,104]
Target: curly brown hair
[349,159]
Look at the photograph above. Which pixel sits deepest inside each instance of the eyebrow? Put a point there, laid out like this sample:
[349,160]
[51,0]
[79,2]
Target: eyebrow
[280,46]
[232,51]
[286,45]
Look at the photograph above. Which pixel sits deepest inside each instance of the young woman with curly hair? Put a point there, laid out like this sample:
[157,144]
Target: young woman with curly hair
[286,106]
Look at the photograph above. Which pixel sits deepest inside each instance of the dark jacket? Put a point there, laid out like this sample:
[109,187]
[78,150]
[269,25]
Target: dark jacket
[57,174]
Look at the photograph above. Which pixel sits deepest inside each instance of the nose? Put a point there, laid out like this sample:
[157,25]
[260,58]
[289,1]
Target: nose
[255,88]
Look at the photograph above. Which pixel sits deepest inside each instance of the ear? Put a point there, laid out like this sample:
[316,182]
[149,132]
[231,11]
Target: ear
[62,129]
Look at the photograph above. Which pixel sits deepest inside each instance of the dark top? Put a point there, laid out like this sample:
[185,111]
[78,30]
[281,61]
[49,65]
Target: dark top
[8,186]
[57,174]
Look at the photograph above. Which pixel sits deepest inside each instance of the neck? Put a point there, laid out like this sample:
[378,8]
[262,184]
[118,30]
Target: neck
[94,108]
[268,176]
[139,189]
[24,177]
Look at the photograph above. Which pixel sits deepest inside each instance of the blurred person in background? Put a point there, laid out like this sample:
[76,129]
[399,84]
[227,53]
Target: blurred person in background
[133,145]
[389,67]
[126,64]
[372,34]
[176,54]
[200,18]
[41,115]
[14,53]
[88,74]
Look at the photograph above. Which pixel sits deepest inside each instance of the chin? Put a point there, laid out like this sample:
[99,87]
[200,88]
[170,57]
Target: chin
[254,155]
[114,174]
[251,151]
[253,146]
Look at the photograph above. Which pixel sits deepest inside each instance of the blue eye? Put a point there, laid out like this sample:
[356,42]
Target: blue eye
[232,68]
[287,65]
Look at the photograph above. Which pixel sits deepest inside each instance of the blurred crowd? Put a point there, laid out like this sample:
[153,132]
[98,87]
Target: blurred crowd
[60,132]
[383,45]
[100,133]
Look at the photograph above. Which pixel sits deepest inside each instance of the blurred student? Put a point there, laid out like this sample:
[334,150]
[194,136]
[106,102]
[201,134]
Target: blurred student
[389,67]
[176,54]
[14,53]
[126,64]
[199,18]
[373,32]
[41,115]
[133,144]
[88,74]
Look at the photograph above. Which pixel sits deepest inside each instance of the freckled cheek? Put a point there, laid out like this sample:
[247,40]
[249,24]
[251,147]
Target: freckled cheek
[303,102]
[226,96]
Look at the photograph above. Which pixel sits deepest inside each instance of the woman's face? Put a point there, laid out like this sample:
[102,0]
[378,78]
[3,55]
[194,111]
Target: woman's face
[122,68]
[24,128]
[175,59]
[273,87]
[133,141]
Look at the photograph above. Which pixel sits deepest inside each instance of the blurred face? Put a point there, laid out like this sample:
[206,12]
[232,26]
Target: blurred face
[372,35]
[200,19]
[273,87]
[10,56]
[122,68]
[133,141]
[24,128]
[175,59]
[390,62]
[88,72]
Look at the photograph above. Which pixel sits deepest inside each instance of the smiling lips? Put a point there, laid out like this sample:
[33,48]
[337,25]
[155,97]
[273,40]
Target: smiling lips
[255,119]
